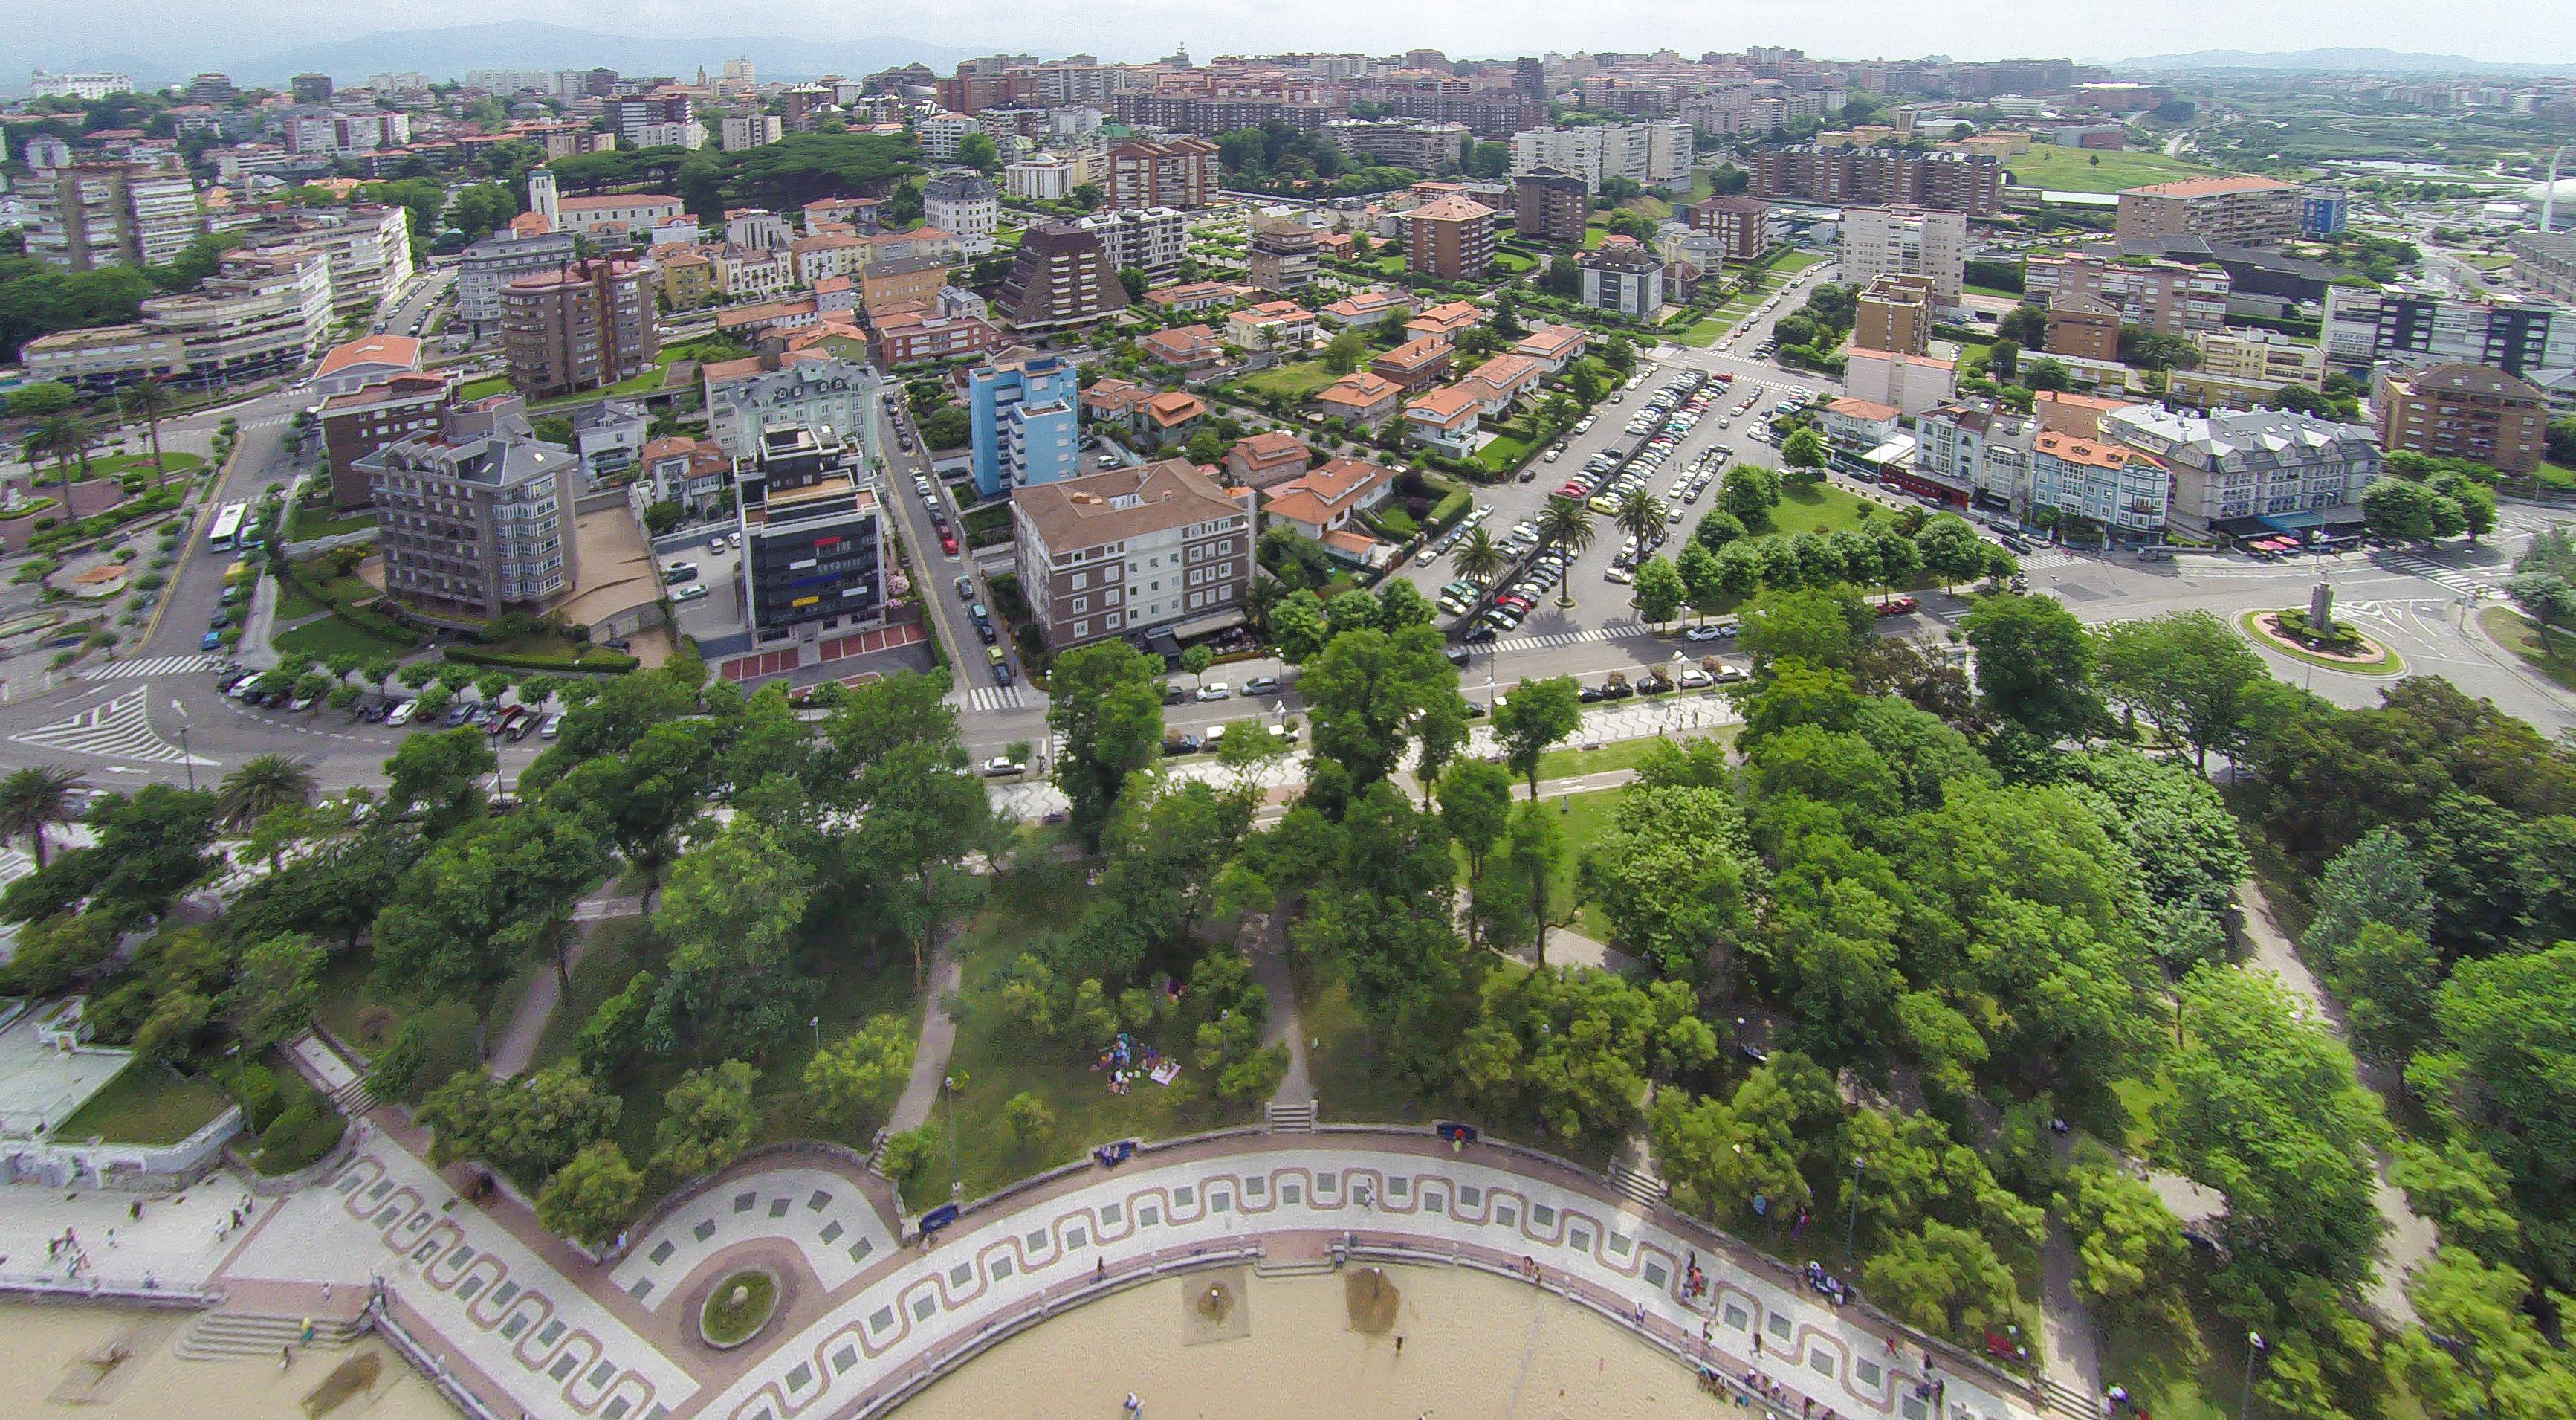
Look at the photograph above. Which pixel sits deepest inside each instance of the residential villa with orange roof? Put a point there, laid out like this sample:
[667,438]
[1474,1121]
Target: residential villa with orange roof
[1445,320]
[1415,365]
[1445,419]
[1554,346]
[1263,460]
[1363,310]
[367,360]
[2066,412]
[1194,297]
[1114,401]
[1184,347]
[1500,382]
[1168,418]
[2114,485]
[1363,398]
[1325,499]
[1271,325]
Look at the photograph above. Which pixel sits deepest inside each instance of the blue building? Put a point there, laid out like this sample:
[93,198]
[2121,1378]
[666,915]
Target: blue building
[2323,211]
[1024,411]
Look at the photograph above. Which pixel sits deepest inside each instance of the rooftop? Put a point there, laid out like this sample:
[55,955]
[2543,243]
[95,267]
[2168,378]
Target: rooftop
[2209,187]
[2468,379]
[1122,503]
[370,350]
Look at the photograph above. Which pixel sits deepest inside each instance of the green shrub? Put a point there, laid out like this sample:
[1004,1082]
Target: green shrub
[298,1138]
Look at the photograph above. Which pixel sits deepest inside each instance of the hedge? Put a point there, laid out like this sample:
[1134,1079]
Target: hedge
[599,659]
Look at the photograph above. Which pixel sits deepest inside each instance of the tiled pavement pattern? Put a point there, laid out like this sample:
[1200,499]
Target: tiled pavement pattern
[490,1301]
[972,1280]
[822,1213]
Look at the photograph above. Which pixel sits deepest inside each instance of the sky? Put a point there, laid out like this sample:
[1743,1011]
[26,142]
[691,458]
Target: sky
[202,31]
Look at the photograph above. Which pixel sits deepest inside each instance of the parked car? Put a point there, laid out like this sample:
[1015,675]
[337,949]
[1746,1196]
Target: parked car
[1180,744]
[690,593]
[553,726]
[966,589]
[1261,685]
[401,714]
[1000,766]
[680,572]
[1896,606]
[1214,690]
[212,640]
[1174,694]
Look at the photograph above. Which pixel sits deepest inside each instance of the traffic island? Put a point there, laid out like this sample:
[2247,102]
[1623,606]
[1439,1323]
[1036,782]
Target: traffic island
[2340,649]
[738,1307]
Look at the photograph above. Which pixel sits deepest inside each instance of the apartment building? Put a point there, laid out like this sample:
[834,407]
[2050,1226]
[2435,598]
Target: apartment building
[487,266]
[2472,412]
[743,132]
[1741,224]
[813,558]
[1401,143]
[1913,383]
[2258,357]
[475,518]
[94,214]
[368,247]
[970,207]
[2422,327]
[2081,328]
[2118,487]
[1046,177]
[1621,275]
[2168,297]
[369,359]
[584,325]
[2252,472]
[1180,172]
[1281,256]
[804,389]
[1551,205]
[2246,210]
[1151,239]
[264,311]
[1879,177]
[1974,451]
[1894,313]
[2545,262]
[905,337]
[1061,277]
[1907,241]
[358,423]
[1024,416]
[1132,551]
[101,357]
[1651,154]
[1450,239]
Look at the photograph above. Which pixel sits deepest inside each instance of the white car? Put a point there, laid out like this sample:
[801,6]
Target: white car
[1694,679]
[401,714]
[690,593]
[1000,766]
[1215,690]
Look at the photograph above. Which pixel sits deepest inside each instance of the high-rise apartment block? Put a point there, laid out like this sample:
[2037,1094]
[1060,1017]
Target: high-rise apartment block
[812,530]
[476,518]
[1133,550]
[91,215]
[2168,297]
[358,423]
[1402,143]
[1151,239]
[1741,224]
[743,132]
[2472,412]
[1024,420]
[1880,177]
[264,311]
[1907,241]
[1282,256]
[966,206]
[584,325]
[484,268]
[1551,205]
[1623,276]
[1650,154]
[1180,172]
[1449,239]
[2423,327]
[2246,210]
[1894,313]
[1061,277]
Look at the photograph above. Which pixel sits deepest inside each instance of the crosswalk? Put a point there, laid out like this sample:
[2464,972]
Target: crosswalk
[1615,631]
[191,664]
[2458,579]
[114,729]
[986,698]
[2044,555]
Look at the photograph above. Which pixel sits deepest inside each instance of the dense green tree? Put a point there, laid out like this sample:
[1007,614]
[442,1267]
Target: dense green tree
[1476,808]
[593,1196]
[2507,1028]
[1660,589]
[1943,1280]
[2034,664]
[1105,701]
[1670,874]
[1820,626]
[2544,576]
[272,999]
[1749,492]
[1369,693]
[2187,672]
[853,1080]
[731,915]
[438,778]
[708,1120]
[1578,1047]
[1536,715]
[527,1127]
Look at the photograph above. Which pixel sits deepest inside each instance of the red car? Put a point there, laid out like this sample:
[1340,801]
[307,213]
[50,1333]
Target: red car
[1896,606]
[948,544]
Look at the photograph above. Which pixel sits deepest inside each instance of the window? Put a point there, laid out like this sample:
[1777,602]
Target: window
[1082,603]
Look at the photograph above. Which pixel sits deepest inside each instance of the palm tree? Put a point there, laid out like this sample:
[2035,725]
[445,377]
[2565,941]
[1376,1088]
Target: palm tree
[1566,526]
[148,401]
[68,437]
[1480,559]
[1641,516]
[35,799]
[271,781]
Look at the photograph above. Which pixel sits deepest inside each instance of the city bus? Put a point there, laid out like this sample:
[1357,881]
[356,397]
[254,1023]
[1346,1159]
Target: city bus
[228,526]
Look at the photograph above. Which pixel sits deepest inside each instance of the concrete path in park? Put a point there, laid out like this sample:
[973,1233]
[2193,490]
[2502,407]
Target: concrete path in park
[2411,1237]
[1265,940]
[938,1037]
[517,1049]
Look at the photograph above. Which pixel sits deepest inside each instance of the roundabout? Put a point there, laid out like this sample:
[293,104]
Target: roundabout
[2353,653]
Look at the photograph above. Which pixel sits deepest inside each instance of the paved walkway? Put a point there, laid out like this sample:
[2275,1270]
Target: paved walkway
[2411,1238]
[938,1037]
[1263,940]
[517,1049]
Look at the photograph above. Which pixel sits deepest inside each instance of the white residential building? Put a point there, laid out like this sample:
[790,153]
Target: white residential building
[1151,239]
[967,206]
[940,133]
[1651,153]
[93,84]
[2253,466]
[264,311]
[1906,241]
[752,130]
[1046,177]
[744,399]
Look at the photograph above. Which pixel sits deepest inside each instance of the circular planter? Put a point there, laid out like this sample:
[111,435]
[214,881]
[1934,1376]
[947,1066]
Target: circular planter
[738,1307]
[2263,628]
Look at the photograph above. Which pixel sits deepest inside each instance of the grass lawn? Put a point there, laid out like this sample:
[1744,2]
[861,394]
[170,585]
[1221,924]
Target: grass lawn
[1350,1085]
[147,1104]
[1503,455]
[488,385]
[1294,381]
[2558,662]
[1515,263]
[1583,818]
[1648,206]
[2555,475]
[1996,291]
[309,520]
[1701,333]
[1618,754]
[1822,508]
[995,1058]
[2074,169]
[294,604]
[331,637]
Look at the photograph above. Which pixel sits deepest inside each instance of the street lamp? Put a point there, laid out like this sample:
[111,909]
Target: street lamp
[188,760]
[1851,1229]
[2254,1347]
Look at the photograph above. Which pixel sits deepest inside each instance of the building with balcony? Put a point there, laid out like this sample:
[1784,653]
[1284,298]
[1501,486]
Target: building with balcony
[813,561]
[265,311]
[2241,208]
[1281,257]
[476,518]
[2253,472]
[1551,205]
[358,423]
[584,325]
[1132,551]
[2167,297]
[2471,412]
[1450,239]
[1024,417]
[804,389]
[2120,488]
[1622,276]
[94,214]
[1898,241]
[1061,278]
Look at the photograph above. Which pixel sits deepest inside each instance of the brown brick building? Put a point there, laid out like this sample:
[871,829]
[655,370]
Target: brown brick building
[1551,205]
[1061,277]
[362,421]
[1133,550]
[2247,210]
[1180,173]
[1742,224]
[1451,239]
[1894,313]
[2470,412]
[1880,177]
[583,326]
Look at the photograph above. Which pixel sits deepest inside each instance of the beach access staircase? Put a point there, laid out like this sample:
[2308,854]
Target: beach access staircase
[1639,1185]
[2065,1402]
[1296,1118]
[226,1335]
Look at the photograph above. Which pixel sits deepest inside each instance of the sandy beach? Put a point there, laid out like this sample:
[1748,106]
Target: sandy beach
[46,1369]
[1473,1345]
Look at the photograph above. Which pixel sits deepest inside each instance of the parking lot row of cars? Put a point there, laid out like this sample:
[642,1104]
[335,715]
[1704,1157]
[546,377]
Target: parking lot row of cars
[516,721]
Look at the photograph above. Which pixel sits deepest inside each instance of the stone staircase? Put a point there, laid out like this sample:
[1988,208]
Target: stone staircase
[232,1336]
[2065,1402]
[1643,1187]
[1291,1118]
